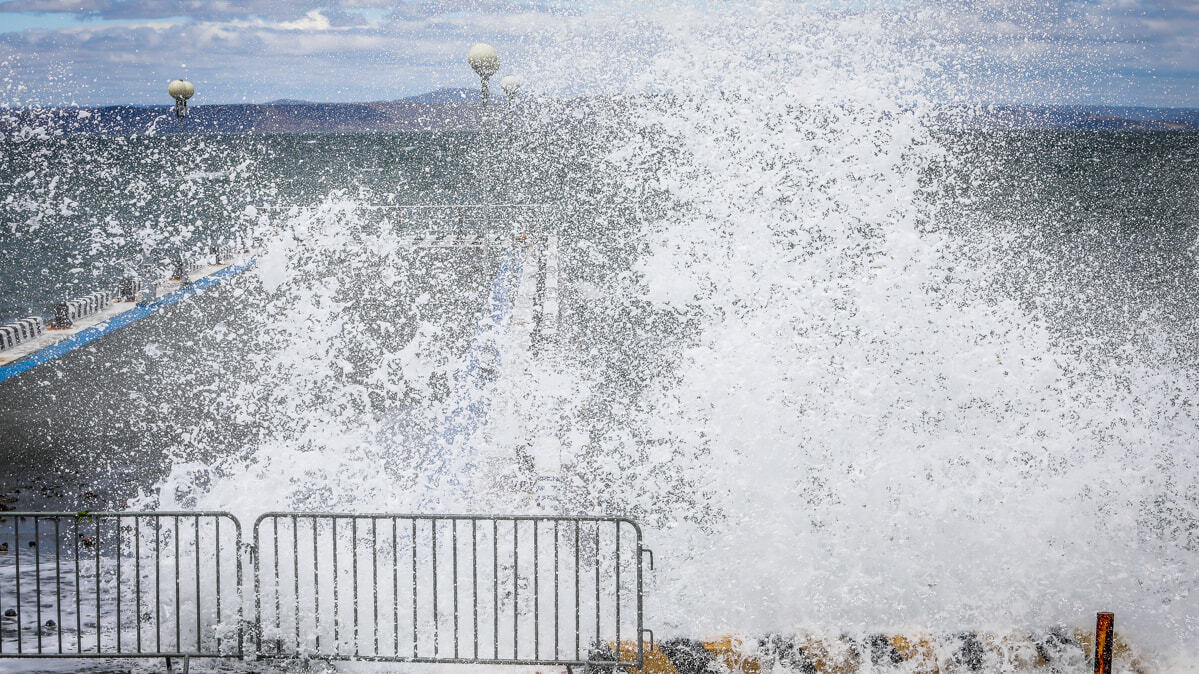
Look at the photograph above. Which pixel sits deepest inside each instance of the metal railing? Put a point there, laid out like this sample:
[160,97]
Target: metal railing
[514,218]
[386,587]
[449,588]
[105,584]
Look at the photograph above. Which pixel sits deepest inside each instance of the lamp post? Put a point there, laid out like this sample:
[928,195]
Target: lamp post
[511,84]
[485,61]
[181,90]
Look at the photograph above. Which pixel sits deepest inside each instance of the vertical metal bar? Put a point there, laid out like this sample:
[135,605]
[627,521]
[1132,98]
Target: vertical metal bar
[118,584]
[137,578]
[58,582]
[375,577]
[474,582]
[556,602]
[578,626]
[436,632]
[256,558]
[216,545]
[277,591]
[99,645]
[241,643]
[1105,624]
[618,589]
[597,582]
[515,588]
[640,599]
[78,595]
[179,619]
[16,541]
[199,628]
[454,575]
[178,607]
[495,586]
[336,599]
[354,575]
[536,598]
[395,584]
[158,583]
[295,576]
[316,587]
[415,636]
[37,578]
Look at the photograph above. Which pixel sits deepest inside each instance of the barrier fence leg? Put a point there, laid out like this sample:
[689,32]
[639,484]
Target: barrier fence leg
[1104,627]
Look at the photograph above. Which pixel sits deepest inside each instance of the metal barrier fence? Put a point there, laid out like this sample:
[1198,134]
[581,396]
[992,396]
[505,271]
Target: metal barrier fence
[403,588]
[105,584]
[450,588]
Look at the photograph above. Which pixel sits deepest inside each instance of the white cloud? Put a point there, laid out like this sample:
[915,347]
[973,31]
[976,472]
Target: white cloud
[53,5]
[313,20]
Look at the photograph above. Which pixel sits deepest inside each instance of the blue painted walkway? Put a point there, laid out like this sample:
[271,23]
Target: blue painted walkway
[138,312]
[471,388]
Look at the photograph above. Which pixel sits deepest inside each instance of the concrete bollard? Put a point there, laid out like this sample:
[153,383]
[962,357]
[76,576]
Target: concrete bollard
[129,289]
[62,316]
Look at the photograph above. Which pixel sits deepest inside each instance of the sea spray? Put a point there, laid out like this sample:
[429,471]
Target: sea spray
[778,351]
[858,429]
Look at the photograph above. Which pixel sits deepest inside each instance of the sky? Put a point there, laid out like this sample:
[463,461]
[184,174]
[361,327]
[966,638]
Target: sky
[103,52]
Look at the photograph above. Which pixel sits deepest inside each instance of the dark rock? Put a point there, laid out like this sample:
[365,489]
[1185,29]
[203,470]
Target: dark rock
[688,656]
[882,651]
[970,652]
[786,653]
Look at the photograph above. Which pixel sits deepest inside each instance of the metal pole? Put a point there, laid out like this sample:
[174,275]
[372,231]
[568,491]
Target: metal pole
[1105,624]
[486,91]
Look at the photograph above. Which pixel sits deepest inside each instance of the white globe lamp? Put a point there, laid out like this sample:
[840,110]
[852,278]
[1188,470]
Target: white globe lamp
[485,61]
[181,90]
[511,84]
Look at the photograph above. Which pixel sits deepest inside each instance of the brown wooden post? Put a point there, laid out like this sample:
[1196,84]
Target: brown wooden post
[1105,624]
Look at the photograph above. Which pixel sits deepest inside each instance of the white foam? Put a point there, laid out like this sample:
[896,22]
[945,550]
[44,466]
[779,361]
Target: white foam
[776,357]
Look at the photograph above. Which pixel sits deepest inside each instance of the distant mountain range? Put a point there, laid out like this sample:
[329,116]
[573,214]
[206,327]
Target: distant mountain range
[445,109]
[437,97]
[458,110]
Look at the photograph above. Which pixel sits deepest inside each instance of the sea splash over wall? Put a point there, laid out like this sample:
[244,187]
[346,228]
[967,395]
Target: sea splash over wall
[776,352]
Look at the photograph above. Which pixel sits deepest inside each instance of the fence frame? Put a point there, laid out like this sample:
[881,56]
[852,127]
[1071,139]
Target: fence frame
[97,517]
[594,659]
[249,632]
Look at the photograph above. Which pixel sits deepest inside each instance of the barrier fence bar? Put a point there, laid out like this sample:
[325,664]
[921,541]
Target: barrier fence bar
[78,584]
[442,574]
